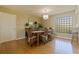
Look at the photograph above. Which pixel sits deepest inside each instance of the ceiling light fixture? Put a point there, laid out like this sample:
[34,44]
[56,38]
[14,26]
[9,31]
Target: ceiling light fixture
[45,15]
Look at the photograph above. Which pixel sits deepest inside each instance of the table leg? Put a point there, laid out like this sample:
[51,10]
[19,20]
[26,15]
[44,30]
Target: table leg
[38,39]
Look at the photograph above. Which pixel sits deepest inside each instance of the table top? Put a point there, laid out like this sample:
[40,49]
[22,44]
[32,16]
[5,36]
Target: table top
[40,31]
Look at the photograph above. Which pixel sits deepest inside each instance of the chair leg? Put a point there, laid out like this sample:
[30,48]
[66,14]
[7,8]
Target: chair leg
[30,45]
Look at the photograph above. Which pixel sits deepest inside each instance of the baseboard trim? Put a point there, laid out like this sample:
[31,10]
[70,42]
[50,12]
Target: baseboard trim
[63,37]
[7,41]
[21,38]
[11,40]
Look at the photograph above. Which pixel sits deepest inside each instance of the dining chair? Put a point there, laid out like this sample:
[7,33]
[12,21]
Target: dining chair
[44,36]
[31,38]
[50,34]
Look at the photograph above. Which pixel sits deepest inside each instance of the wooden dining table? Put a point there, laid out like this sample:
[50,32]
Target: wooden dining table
[37,32]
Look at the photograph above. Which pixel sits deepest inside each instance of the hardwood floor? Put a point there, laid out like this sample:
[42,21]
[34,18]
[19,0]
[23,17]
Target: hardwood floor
[56,46]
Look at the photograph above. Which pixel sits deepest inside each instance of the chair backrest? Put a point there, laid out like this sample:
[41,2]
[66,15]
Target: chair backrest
[29,32]
[45,31]
[50,30]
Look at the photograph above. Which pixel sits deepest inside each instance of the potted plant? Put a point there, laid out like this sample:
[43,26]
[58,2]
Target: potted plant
[40,26]
[27,25]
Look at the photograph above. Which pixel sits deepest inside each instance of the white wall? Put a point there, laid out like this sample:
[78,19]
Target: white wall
[77,15]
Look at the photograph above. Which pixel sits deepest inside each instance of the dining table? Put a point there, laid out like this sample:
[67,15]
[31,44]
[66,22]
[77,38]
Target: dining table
[38,33]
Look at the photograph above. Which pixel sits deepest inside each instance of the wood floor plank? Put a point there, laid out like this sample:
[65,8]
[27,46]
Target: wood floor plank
[56,46]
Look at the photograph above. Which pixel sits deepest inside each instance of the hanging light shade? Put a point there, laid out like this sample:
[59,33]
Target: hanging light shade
[45,14]
[45,17]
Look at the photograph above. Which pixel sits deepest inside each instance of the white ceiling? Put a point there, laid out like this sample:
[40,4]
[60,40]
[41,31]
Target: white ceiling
[38,9]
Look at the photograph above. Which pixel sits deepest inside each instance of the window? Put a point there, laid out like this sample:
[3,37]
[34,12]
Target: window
[64,24]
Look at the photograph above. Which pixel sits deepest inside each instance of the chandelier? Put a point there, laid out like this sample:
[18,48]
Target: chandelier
[45,15]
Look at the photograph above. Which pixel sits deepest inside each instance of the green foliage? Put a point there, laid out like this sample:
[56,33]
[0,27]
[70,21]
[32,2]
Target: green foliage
[27,24]
[40,26]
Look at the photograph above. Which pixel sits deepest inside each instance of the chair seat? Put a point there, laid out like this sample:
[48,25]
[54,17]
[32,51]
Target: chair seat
[31,38]
[44,38]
